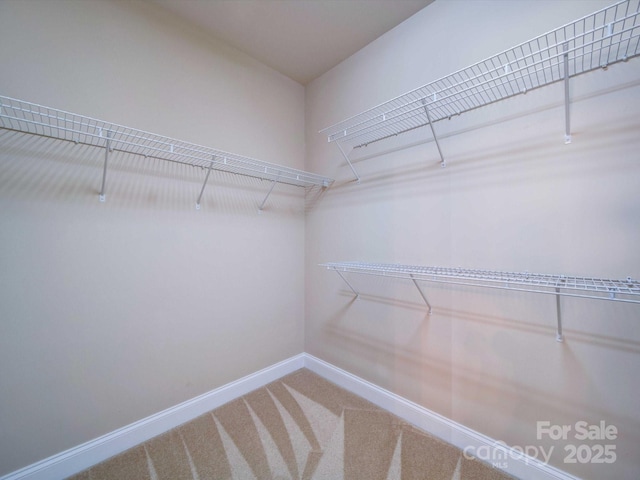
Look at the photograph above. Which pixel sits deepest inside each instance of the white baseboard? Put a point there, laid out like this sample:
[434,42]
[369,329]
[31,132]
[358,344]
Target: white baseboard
[88,454]
[84,456]
[514,461]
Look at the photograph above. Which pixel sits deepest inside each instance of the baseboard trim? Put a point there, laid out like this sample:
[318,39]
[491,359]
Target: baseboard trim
[512,460]
[83,456]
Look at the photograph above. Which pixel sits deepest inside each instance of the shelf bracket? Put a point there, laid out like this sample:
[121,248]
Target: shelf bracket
[346,157]
[433,132]
[559,337]
[205,183]
[567,115]
[348,284]
[273,184]
[424,297]
[102,197]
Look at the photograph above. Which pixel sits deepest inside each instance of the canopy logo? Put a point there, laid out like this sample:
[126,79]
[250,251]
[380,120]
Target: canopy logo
[499,453]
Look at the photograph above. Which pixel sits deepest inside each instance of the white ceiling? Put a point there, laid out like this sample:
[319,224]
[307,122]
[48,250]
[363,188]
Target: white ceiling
[300,38]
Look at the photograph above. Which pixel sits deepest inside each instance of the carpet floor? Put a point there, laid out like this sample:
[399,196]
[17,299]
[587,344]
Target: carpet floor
[300,427]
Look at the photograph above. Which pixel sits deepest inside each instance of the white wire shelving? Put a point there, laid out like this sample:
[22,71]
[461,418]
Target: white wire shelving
[627,290]
[595,41]
[27,117]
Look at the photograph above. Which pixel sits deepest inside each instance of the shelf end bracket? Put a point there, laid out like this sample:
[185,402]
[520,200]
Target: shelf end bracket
[424,297]
[346,157]
[443,163]
[204,184]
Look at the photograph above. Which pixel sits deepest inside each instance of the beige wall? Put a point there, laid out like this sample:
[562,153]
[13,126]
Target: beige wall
[112,312]
[514,198]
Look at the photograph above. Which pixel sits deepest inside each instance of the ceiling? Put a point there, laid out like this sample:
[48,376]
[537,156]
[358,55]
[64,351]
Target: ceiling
[300,38]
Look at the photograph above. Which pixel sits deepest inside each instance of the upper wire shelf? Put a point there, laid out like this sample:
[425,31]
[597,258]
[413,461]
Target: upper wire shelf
[595,41]
[36,119]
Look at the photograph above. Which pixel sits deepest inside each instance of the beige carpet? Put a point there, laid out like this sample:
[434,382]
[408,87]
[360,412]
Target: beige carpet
[299,427]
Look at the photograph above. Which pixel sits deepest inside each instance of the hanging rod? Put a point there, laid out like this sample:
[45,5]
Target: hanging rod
[595,41]
[627,290]
[32,118]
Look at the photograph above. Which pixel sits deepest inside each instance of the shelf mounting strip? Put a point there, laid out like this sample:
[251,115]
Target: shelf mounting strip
[44,121]
[627,290]
[595,41]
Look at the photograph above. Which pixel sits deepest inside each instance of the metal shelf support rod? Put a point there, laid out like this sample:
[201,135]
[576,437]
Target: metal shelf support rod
[567,116]
[433,132]
[346,157]
[559,336]
[347,282]
[107,149]
[273,184]
[424,297]
[206,178]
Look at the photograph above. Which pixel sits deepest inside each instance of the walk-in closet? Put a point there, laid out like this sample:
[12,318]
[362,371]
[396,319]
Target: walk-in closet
[305,239]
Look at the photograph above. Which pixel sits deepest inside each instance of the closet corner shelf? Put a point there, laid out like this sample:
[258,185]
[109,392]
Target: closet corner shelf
[595,41]
[27,117]
[627,290]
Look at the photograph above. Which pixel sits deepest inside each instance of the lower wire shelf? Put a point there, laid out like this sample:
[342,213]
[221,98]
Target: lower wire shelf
[627,290]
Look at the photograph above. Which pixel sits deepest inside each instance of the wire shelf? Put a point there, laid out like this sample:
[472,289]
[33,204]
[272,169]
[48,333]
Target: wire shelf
[627,290]
[36,119]
[595,41]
